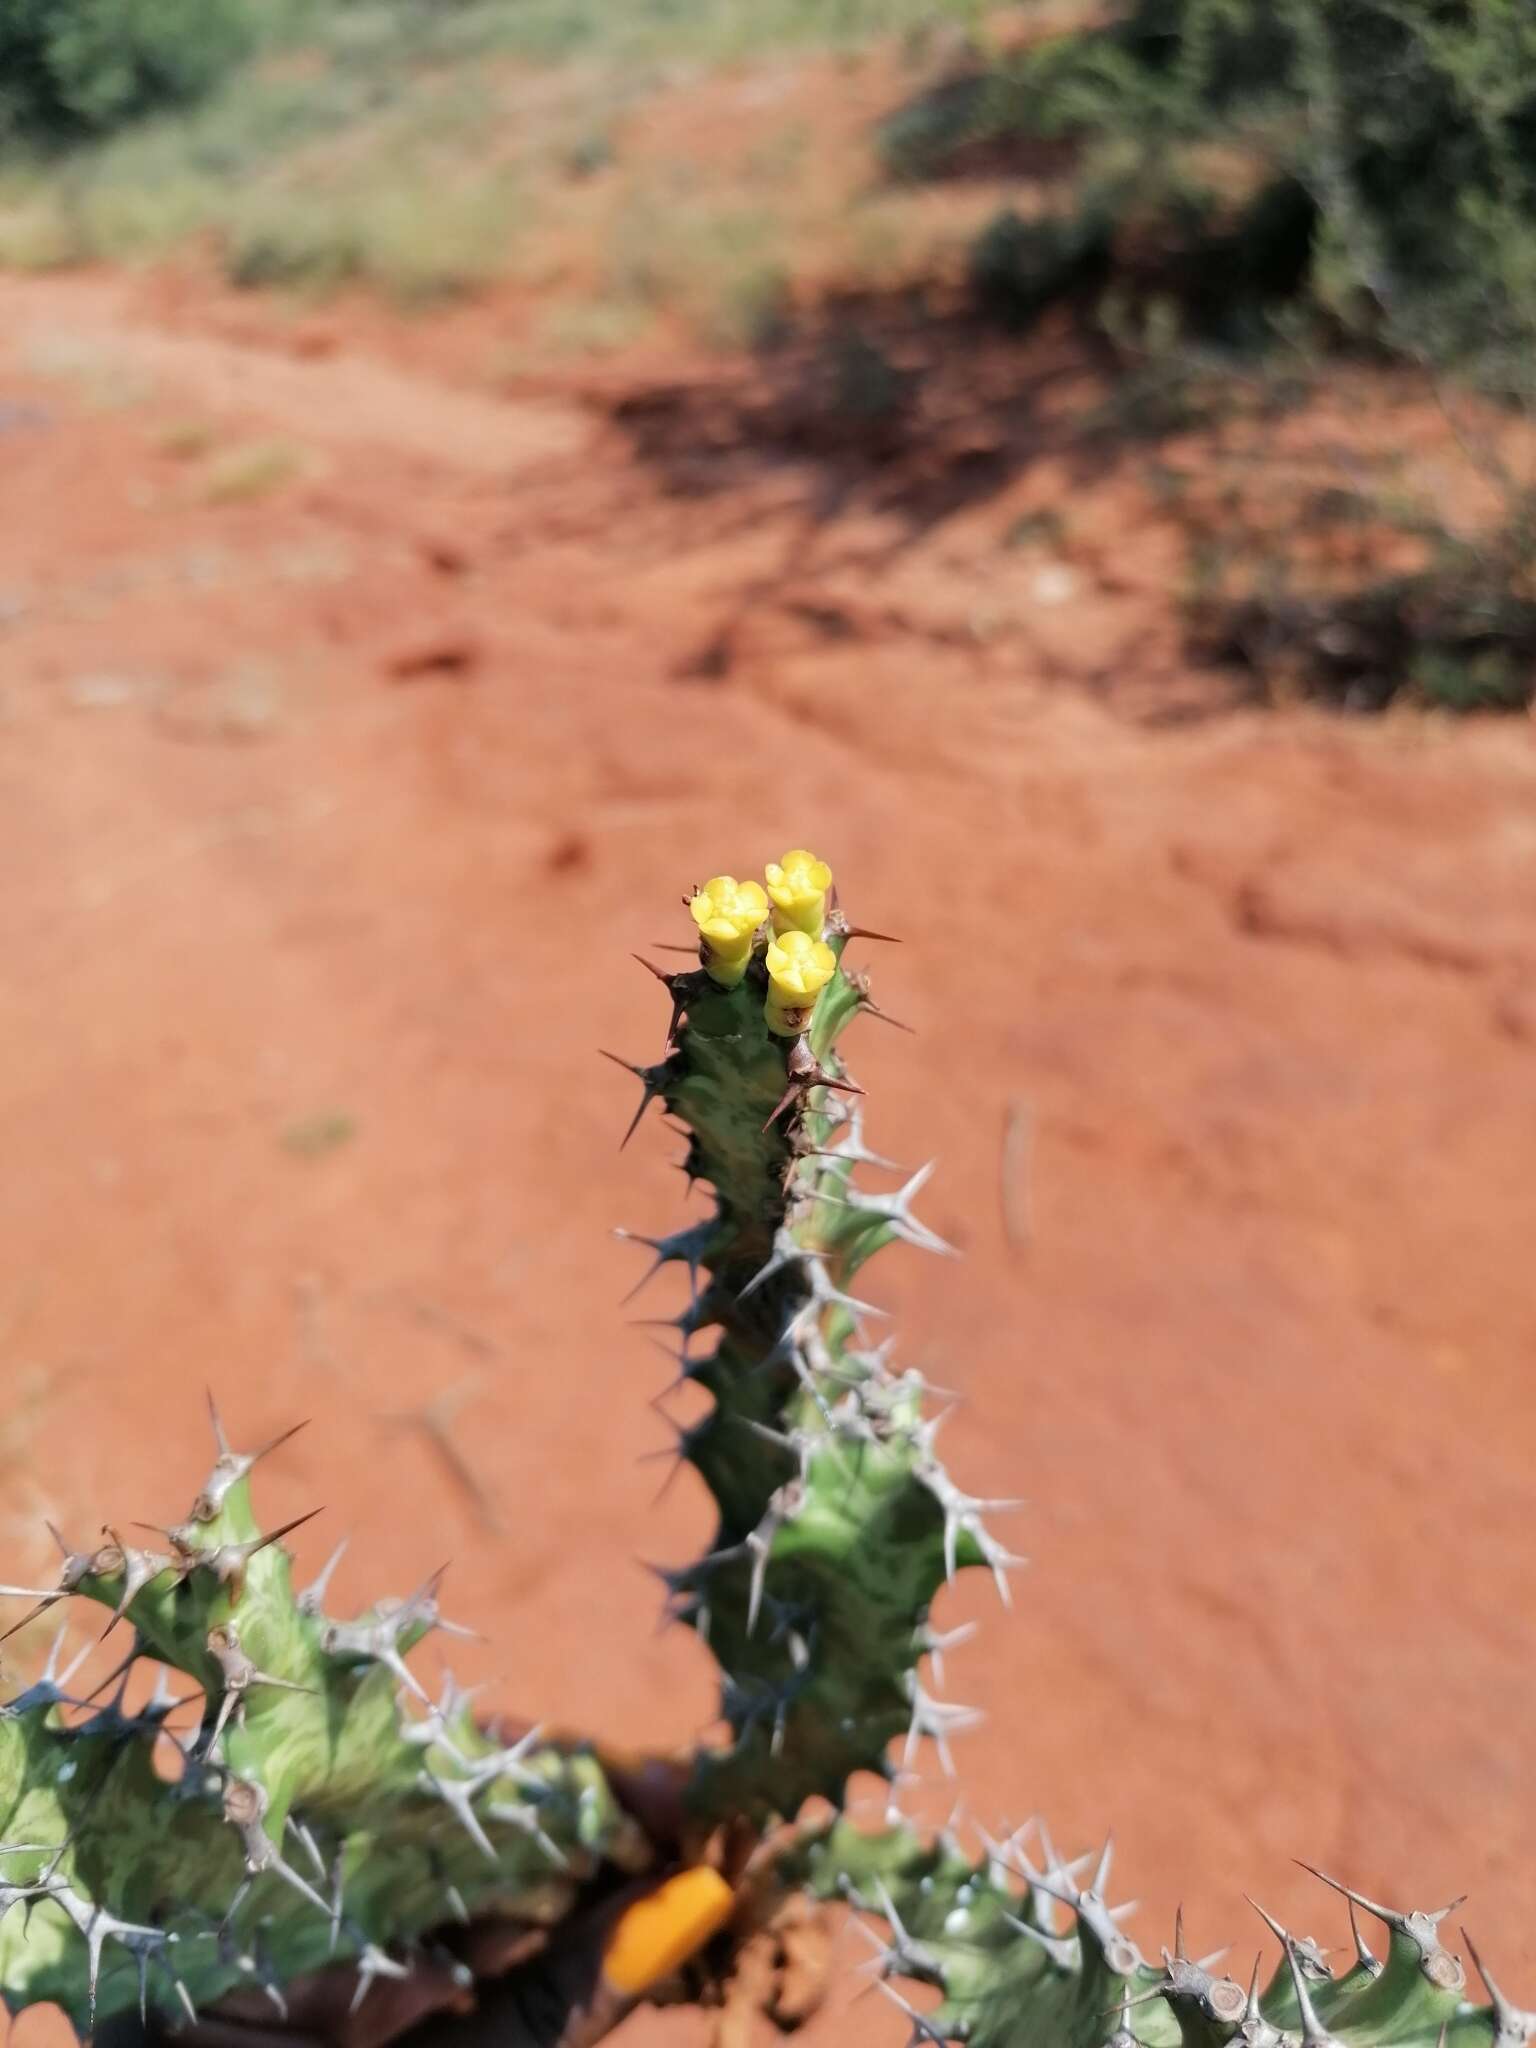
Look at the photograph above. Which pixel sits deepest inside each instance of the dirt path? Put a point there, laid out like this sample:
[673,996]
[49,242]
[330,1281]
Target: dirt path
[353,730]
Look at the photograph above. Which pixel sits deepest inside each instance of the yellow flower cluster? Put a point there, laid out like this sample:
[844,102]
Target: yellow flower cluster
[731,915]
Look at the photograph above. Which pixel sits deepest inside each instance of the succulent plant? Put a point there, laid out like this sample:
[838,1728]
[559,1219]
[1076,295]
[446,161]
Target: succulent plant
[324,1806]
[324,1811]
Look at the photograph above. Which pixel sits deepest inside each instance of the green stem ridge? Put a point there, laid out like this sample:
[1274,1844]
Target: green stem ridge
[323,1808]
[837,1521]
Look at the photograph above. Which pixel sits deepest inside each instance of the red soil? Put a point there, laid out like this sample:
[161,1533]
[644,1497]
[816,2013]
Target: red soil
[331,806]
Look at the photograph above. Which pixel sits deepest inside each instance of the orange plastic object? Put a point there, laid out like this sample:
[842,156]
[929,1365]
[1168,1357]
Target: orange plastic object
[660,1932]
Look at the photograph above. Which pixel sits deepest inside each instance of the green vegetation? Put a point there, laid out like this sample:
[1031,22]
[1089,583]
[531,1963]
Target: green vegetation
[74,68]
[416,148]
[1220,193]
[1291,181]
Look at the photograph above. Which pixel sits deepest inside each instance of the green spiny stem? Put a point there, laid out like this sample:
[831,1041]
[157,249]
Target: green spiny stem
[837,1526]
[1021,1952]
[837,1523]
[324,1807]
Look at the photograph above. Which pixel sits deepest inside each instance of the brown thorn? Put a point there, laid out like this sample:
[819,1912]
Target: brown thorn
[116,1672]
[628,1065]
[869,1009]
[287,1528]
[27,1619]
[650,967]
[651,1094]
[790,1093]
[276,1443]
[221,1441]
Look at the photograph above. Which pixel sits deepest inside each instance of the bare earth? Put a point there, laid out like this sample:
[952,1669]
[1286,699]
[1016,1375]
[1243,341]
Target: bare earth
[356,723]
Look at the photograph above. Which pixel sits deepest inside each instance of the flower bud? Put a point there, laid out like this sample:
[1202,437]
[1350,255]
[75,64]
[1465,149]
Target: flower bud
[728,914]
[798,886]
[799,968]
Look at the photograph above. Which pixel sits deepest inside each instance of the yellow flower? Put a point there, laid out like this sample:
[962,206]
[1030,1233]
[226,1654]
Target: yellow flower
[728,913]
[798,885]
[664,1930]
[799,968]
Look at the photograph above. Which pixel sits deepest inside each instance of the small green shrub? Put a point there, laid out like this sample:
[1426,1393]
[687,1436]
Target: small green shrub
[73,68]
[1289,180]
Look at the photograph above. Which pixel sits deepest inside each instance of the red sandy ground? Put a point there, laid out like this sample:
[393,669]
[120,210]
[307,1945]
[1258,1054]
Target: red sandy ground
[332,813]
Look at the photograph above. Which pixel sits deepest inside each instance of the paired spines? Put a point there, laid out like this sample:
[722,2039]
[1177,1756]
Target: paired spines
[321,1806]
[1023,1946]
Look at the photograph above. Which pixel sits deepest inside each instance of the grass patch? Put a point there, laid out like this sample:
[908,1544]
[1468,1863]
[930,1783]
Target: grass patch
[378,142]
[315,1137]
[256,470]
[410,237]
[619,32]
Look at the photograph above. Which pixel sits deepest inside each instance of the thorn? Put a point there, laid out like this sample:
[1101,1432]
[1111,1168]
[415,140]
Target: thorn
[868,1007]
[1436,1963]
[936,1645]
[923,2029]
[1363,1955]
[1515,2027]
[228,1561]
[1062,1949]
[1254,2010]
[678,986]
[458,1797]
[76,1568]
[307,1842]
[1123,2037]
[653,1090]
[688,1247]
[1398,1922]
[312,1599]
[230,1467]
[806,1073]
[851,1148]
[1313,2032]
[937,1719]
[245,1806]
[138,1568]
[373,1963]
[894,1211]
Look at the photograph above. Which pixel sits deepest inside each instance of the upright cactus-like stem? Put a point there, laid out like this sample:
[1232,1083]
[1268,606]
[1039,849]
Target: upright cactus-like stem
[324,1807]
[838,1524]
[837,1521]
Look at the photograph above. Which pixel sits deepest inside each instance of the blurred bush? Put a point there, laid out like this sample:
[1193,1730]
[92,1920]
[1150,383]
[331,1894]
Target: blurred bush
[1376,161]
[1238,179]
[75,68]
